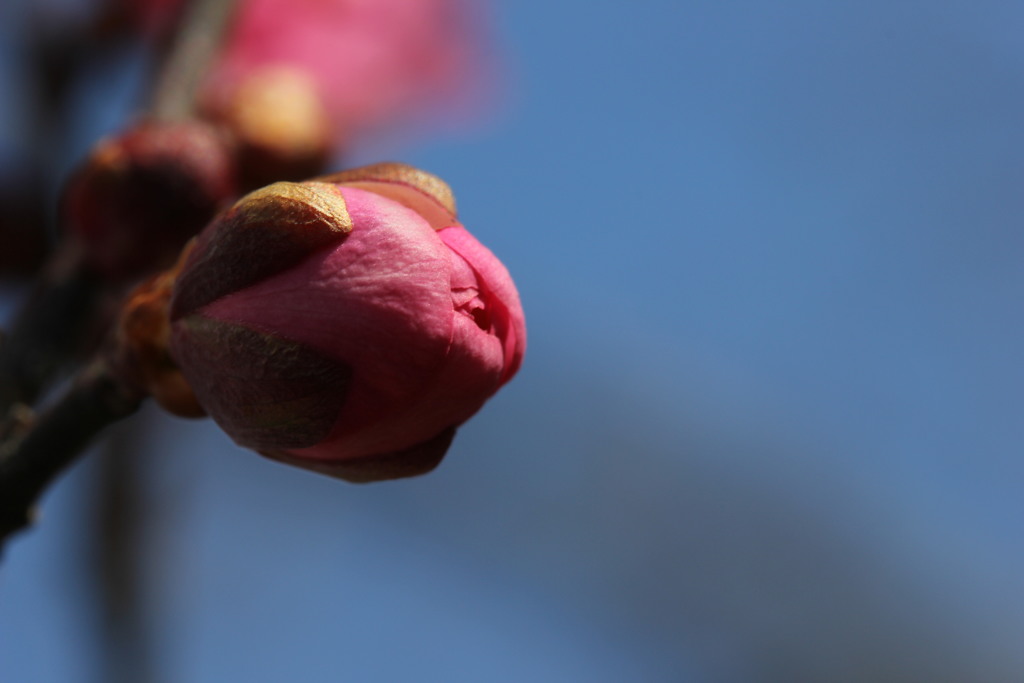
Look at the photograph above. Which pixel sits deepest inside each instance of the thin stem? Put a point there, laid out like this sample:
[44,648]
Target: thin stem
[203,26]
[31,461]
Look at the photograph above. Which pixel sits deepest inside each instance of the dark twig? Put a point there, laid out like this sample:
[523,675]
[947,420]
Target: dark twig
[30,462]
[46,332]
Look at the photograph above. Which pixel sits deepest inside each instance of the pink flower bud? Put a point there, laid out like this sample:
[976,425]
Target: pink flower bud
[142,194]
[347,325]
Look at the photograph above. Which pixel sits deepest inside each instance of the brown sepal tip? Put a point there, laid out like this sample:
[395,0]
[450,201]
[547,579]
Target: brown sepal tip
[264,233]
[423,192]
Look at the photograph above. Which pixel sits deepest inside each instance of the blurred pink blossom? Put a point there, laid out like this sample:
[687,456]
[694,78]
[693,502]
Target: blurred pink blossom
[374,62]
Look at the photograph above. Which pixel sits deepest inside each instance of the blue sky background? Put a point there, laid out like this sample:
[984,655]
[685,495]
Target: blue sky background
[769,424]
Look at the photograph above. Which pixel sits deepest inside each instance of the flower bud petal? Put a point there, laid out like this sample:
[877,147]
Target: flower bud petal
[499,293]
[410,462]
[423,192]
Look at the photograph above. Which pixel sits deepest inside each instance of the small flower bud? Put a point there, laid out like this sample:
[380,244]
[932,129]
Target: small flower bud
[142,194]
[280,125]
[348,324]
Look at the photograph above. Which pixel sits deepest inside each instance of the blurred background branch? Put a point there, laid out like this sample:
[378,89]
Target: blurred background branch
[195,45]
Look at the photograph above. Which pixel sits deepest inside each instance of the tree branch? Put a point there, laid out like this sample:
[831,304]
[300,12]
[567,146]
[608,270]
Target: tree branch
[31,461]
[47,331]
